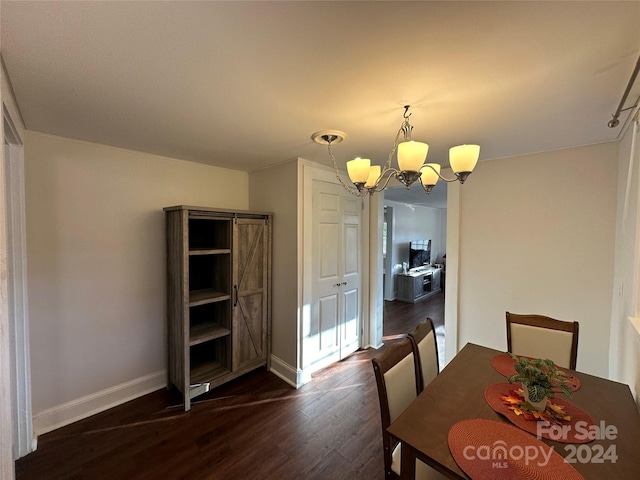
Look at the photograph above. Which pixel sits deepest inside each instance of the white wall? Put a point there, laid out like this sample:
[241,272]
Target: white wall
[415,222]
[96,272]
[537,236]
[276,190]
[376,268]
[625,336]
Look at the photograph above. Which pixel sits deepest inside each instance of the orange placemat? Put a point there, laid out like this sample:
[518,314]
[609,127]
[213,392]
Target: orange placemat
[575,430]
[486,449]
[503,364]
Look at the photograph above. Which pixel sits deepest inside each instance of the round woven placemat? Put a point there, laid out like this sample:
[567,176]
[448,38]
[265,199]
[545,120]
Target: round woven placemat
[503,364]
[570,434]
[490,450]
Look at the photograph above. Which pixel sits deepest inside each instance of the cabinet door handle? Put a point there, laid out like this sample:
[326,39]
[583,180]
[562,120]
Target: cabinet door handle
[235,290]
[337,285]
[344,283]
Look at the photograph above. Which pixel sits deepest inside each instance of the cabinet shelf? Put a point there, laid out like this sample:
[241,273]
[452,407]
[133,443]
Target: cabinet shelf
[206,295]
[206,331]
[209,360]
[209,251]
[206,371]
[209,233]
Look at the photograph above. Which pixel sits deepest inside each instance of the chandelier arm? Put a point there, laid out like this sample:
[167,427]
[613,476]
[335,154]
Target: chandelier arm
[405,132]
[391,173]
[335,167]
[449,180]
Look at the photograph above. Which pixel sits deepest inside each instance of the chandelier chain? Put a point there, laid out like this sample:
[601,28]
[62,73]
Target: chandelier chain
[335,167]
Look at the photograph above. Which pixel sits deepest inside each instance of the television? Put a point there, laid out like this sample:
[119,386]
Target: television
[419,253]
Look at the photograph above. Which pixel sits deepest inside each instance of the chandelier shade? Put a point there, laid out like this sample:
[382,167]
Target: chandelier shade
[358,170]
[430,174]
[374,175]
[411,156]
[463,158]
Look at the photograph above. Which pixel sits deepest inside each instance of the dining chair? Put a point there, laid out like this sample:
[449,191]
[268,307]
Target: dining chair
[425,348]
[397,382]
[543,337]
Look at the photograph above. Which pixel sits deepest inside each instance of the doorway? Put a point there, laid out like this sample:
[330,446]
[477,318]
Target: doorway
[411,215]
[388,281]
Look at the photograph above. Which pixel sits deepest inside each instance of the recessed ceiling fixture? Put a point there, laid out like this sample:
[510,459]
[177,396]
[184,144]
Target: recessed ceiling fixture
[369,178]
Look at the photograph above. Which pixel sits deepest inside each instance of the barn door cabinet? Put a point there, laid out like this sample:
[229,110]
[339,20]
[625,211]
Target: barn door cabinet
[218,289]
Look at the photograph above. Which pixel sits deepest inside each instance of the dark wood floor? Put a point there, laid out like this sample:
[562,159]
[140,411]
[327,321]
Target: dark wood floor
[256,427]
[401,318]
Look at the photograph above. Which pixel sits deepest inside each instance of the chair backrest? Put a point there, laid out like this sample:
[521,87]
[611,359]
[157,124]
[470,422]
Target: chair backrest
[425,347]
[396,379]
[543,337]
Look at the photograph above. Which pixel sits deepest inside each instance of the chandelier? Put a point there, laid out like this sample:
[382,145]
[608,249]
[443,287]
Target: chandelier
[369,178]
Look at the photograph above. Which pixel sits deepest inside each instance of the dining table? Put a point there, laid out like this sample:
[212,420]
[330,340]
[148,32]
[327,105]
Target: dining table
[458,394]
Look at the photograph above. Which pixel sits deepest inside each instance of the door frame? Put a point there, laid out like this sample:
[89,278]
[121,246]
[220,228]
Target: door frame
[451,315]
[389,289]
[16,251]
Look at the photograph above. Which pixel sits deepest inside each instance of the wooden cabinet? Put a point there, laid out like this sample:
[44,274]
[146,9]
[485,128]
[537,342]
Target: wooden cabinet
[218,296]
[415,286]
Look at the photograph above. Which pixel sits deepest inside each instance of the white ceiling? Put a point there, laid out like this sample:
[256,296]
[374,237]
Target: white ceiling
[244,84]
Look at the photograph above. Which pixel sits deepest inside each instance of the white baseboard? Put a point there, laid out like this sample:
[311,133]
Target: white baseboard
[298,377]
[84,407]
[286,372]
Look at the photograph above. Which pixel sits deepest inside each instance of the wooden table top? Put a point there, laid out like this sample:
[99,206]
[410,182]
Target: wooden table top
[457,393]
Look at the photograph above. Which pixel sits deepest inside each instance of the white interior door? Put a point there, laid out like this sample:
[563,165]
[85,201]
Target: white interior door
[336,297]
[350,243]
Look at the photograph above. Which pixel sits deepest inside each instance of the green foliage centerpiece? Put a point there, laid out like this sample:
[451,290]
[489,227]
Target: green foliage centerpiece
[540,380]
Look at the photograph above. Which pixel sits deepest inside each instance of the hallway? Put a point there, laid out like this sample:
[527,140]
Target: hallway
[401,318]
